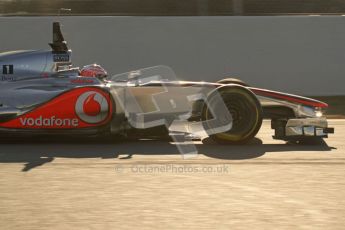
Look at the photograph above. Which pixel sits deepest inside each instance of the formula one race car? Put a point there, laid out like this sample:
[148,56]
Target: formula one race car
[41,93]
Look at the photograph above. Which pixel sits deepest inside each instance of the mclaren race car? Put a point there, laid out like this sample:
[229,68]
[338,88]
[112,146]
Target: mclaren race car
[41,93]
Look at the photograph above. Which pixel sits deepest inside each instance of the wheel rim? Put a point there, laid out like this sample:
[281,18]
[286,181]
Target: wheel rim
[245,116]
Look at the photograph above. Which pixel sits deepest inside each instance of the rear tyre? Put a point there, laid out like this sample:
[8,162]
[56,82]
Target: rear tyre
[246,113]
[233,81]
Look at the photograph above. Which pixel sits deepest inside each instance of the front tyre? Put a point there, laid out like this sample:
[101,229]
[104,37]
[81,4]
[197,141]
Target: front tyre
[232,81]
[246,113]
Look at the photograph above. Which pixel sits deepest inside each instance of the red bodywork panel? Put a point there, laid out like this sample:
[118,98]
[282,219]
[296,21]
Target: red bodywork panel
[78,108]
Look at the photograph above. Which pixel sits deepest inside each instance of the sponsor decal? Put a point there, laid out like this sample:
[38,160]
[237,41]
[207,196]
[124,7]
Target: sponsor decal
[45,75]
[7,78]
[61,58]
[79,108]
[92,107]
[52,121]
[82,81]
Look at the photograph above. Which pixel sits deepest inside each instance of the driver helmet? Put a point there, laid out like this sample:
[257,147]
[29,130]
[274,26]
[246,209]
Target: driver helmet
[93,70]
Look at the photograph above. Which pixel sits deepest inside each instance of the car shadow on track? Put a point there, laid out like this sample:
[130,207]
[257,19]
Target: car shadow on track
[34,153]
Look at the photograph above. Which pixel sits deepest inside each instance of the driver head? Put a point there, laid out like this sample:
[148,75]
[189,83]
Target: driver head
[93,70]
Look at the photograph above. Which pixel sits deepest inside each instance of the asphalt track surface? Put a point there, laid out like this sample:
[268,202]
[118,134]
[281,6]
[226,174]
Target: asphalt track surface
[266,184]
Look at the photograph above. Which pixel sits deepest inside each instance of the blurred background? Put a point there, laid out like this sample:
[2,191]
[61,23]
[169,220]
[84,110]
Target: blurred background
[172,7]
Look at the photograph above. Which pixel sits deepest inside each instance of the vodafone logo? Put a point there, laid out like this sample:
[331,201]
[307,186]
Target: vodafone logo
[48,122]
[92,107]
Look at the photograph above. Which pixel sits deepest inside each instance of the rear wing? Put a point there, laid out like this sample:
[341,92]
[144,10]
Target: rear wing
[59,45]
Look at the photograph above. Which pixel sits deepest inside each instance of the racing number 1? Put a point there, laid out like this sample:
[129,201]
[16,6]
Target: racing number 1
[7,69]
